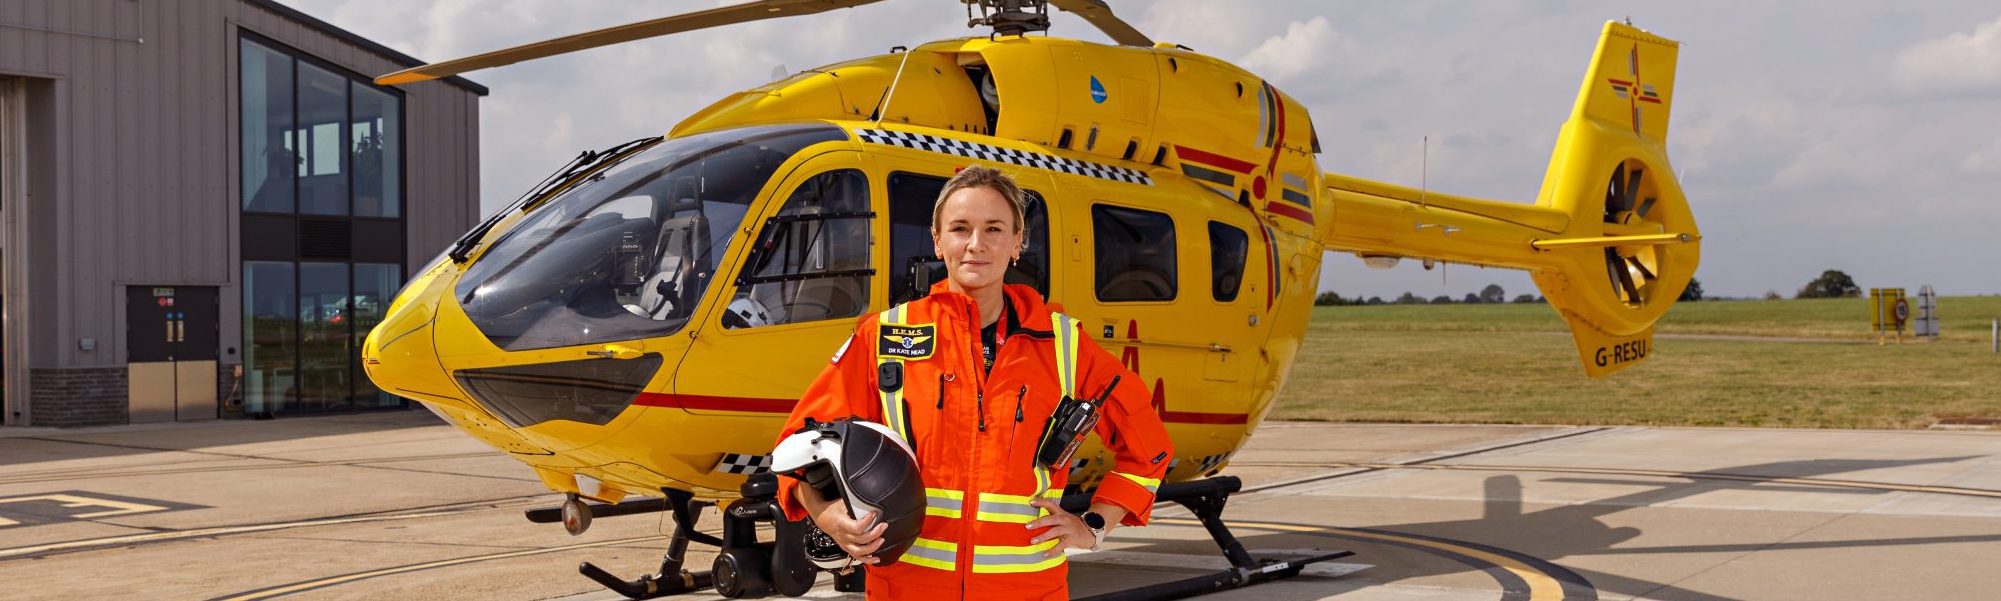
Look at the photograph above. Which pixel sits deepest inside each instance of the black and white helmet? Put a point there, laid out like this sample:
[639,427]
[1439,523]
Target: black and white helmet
[866,464]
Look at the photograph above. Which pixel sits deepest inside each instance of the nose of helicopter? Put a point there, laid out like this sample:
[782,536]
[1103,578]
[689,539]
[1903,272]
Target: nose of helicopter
[400,355]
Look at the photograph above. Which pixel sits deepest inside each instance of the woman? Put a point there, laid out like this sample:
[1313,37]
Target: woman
[975,375]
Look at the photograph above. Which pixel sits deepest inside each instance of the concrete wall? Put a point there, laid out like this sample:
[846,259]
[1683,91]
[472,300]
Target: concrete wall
[132,151]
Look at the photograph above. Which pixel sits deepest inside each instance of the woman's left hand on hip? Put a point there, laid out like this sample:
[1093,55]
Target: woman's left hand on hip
[1062,525]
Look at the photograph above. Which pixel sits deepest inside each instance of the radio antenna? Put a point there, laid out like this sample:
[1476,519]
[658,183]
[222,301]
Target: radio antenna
[1424,172]
[882,108]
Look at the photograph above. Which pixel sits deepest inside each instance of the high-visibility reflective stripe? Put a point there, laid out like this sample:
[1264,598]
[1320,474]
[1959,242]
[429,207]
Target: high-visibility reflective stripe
[934,554]
[1150,484]
[944,503]
[1010,509]
[990,559]
[892,401]
[1066,352]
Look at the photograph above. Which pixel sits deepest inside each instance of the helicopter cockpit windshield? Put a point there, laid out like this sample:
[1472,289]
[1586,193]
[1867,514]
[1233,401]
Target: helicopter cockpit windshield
[626,254]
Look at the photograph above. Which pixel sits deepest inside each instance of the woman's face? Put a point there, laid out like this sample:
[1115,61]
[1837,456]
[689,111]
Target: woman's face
[974,232]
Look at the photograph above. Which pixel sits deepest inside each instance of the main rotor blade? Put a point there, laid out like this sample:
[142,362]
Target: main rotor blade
[715,17]
[1100,15]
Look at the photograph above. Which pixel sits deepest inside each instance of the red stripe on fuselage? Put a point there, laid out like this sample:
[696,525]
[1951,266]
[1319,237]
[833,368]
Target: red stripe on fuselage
[1209,158]
[1289,211]
[697,402]
[1201,417]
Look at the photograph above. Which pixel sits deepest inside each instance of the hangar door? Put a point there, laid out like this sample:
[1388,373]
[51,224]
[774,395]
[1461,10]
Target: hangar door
[170,342]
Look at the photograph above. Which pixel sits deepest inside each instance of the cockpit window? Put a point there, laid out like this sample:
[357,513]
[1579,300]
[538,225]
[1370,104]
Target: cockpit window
[811,262]
[626,254]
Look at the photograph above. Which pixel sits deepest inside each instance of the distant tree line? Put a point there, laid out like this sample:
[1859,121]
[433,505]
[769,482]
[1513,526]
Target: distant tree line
[1832,283]
[1491,295]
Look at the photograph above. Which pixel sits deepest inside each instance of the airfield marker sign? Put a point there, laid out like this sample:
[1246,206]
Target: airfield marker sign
[1890,311]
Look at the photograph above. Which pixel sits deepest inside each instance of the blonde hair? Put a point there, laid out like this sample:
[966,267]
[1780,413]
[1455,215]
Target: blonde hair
[984,177]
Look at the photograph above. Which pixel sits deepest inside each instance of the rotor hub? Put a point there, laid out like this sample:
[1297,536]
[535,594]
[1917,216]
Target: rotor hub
[1009,17]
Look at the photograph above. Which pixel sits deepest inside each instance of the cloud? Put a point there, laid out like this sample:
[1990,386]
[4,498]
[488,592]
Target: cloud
[1957,63]
[1299,50]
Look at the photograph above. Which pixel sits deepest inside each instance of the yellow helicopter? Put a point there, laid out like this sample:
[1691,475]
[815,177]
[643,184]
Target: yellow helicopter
[643,321]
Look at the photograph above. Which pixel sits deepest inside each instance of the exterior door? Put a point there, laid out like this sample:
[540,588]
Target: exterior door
[170,342]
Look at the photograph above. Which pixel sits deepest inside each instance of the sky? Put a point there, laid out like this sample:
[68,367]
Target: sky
[1809,135]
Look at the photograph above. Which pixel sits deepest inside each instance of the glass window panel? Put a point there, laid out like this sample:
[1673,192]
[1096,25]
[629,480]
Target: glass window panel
[375,284]
[266,107]
[324,336]
[569,272]
[913,264]
[1135,254]
[375,153]
[1229,248]
[802,243]
[270,350]
[322,120]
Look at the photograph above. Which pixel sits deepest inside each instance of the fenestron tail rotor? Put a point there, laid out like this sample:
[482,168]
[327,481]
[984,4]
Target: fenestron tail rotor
[1629,196]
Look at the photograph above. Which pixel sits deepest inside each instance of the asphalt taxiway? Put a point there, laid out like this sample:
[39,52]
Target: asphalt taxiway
[398,505]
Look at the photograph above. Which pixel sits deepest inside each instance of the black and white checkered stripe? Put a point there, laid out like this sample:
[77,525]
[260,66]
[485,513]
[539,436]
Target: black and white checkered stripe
[738,463]
[1211,462]
[986,152]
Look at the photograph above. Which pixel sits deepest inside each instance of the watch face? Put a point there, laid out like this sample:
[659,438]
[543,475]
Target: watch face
[1094,521]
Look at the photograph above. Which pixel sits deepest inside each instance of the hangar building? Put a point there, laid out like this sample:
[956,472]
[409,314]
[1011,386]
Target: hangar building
[197,189]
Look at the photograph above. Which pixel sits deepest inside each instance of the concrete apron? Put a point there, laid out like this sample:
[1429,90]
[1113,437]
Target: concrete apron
[399,506]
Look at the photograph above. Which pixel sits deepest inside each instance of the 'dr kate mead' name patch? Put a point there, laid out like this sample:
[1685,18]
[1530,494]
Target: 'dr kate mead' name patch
[908,342]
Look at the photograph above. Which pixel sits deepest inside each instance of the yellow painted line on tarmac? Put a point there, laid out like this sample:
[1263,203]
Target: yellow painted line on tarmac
[280,591]
[1542,585]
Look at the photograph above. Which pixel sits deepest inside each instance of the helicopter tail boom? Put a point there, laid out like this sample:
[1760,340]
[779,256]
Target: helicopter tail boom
[1611,240]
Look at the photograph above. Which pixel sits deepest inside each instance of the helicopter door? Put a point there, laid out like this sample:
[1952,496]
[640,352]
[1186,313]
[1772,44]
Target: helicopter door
[1151,274]
[792,298]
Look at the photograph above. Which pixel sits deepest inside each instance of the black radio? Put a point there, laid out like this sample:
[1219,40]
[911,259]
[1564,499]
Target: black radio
[1074,420]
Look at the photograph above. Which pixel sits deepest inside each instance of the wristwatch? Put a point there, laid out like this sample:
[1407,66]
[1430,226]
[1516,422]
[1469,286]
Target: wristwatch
[1097,525]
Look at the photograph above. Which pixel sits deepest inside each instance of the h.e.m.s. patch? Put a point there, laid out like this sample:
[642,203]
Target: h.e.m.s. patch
[906,341]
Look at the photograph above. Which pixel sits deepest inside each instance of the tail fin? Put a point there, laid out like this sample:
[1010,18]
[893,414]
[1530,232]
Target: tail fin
[1610,241]
[1610,173]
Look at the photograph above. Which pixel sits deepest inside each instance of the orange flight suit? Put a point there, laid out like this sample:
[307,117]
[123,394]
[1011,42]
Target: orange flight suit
[976,436]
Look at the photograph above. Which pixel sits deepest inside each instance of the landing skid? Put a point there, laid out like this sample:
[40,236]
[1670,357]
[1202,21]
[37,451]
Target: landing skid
[746,568]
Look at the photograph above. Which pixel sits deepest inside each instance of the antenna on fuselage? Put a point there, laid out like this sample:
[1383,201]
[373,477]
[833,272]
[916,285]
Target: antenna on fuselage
[1424,171]
[882,107]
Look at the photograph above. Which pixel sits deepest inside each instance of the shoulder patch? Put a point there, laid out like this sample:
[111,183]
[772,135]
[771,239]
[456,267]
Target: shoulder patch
[906,341]
[838,353]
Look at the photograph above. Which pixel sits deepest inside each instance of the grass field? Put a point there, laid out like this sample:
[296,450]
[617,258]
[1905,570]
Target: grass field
[1783,363]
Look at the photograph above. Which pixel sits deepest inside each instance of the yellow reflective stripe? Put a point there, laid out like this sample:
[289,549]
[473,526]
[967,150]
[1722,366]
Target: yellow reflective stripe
[1008,509]
[944,503]
[1150,484]
[1011,509]
[934,554]
[892,401]
[993,559]
[1066,352]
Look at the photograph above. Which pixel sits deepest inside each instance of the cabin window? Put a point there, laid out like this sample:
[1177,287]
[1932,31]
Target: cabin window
[812,259]
[913,263]
[1135,254]
[1229,249]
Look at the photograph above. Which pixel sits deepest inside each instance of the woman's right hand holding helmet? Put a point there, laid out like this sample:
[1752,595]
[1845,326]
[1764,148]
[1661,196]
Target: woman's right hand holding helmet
[860,537]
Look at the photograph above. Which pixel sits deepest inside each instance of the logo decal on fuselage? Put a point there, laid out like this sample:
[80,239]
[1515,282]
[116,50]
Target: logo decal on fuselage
[1098,94]
[907,342]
